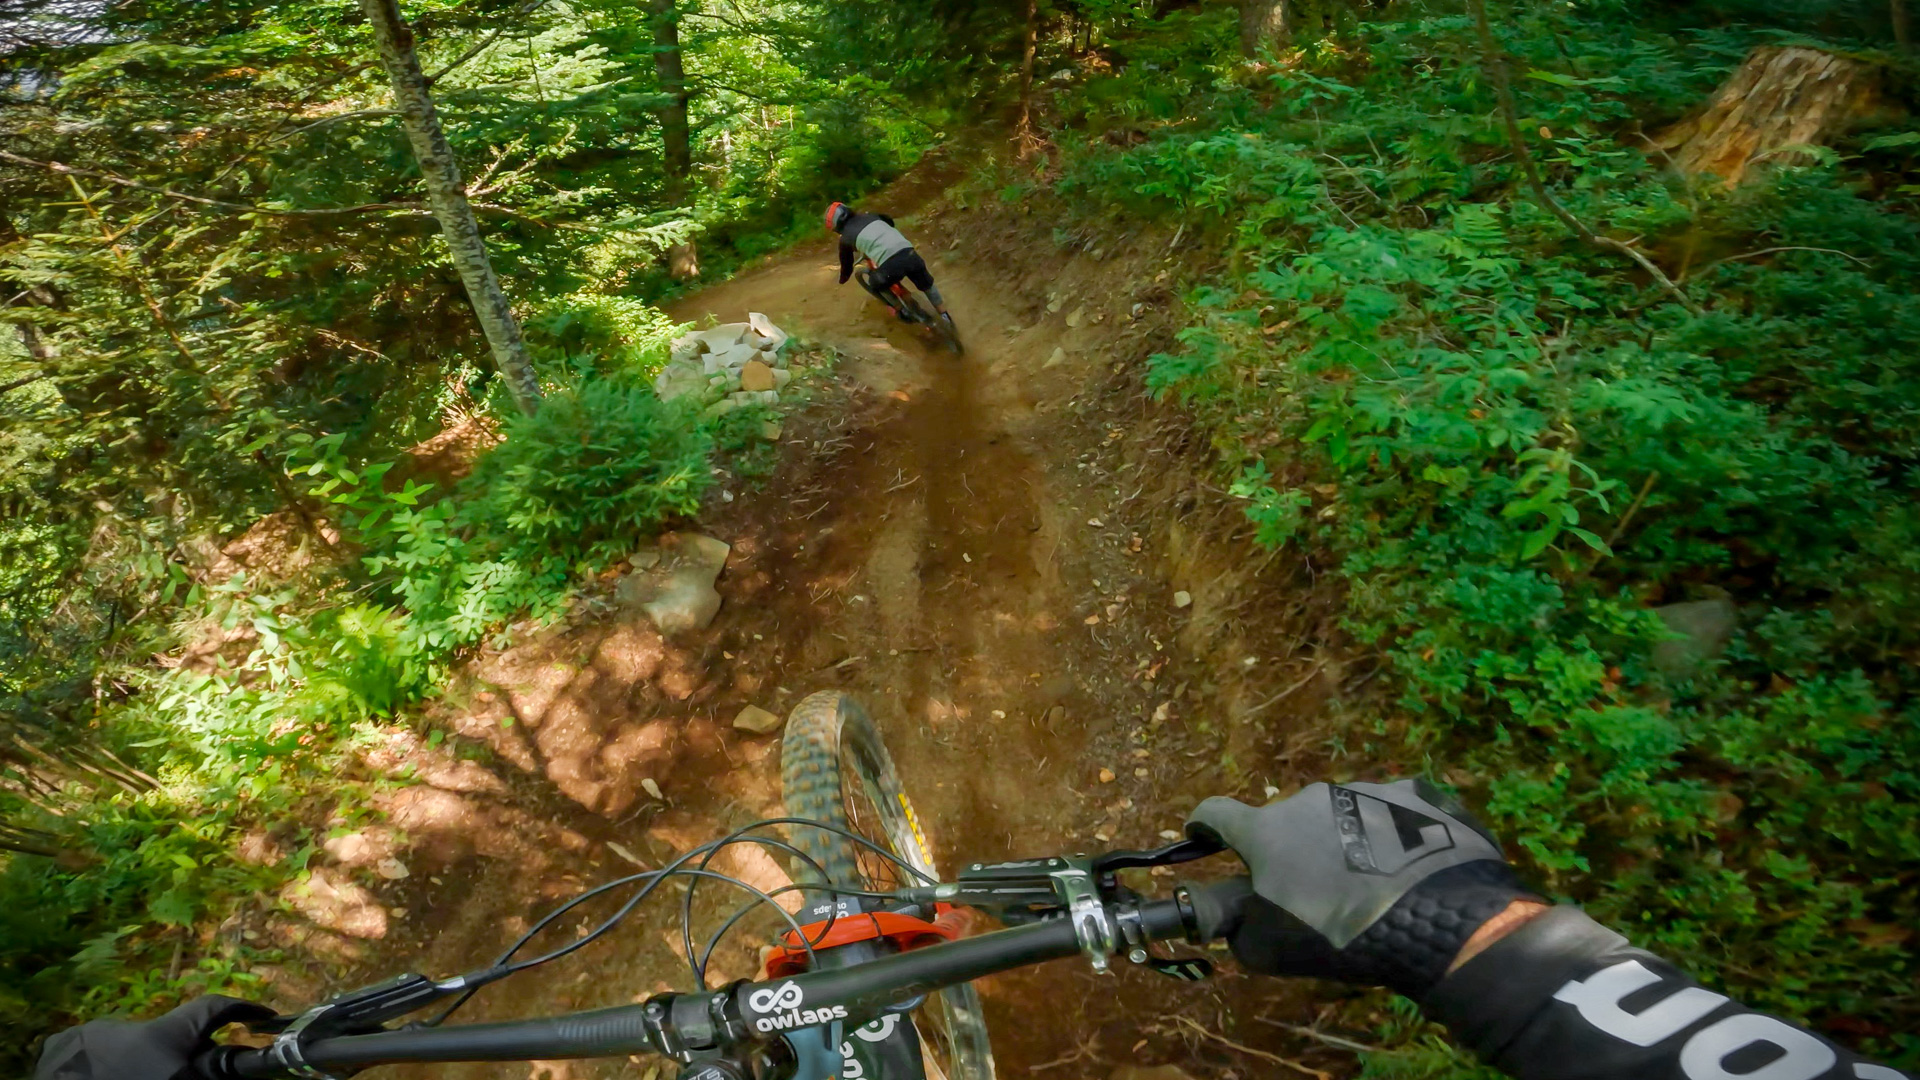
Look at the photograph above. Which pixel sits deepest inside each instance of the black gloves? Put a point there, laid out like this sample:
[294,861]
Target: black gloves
[1371,884]
[159,1049]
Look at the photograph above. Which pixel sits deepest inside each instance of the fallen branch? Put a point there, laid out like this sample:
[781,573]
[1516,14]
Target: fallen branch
[411,209]
[397,209]
[360,114]
[7,388]
[1288,692]
[625,854]
[1321,1036]
[527,8]
[1777,250]
[1088,1050]
[1496,64]
[1251,1052]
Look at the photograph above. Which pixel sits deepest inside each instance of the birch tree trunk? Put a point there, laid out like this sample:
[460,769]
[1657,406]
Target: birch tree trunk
[448,197]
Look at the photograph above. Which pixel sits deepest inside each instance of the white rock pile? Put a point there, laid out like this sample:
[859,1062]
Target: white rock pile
[731,365]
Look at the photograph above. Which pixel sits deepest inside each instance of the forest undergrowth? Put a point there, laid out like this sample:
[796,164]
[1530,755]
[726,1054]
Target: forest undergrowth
[1532,425]
[235,316]
[1518,449]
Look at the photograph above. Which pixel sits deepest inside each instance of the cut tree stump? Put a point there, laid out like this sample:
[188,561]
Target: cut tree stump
[1780,98]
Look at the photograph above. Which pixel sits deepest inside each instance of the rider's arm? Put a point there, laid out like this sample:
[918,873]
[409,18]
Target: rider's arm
[846,257]
[1393,884]
[1561,996]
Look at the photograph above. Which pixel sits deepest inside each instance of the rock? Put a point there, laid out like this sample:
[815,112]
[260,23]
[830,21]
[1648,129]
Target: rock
[1055,301]
[652,789]
[730,359]
[392,869]
[1106,776]
[677,593]
[758,720]
[1182,598]
[770,431]
[781,377]
[744,398]
[686,349]
[772,337]
[756,376]
[724,336]
[1076,317]
[1059,357]
[1704,626]
[718,408]
[679,378]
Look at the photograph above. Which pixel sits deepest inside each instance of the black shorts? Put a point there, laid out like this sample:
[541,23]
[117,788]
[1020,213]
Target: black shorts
[908,265]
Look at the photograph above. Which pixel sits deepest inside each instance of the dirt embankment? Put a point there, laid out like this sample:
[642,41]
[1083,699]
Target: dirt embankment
[991,551]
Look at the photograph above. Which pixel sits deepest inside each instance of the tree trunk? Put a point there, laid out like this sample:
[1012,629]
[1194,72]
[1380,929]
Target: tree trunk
[1902,26]
[676,131]
[448,198]
[1780,98]
[1262,22]
[671,71]
[1023,133]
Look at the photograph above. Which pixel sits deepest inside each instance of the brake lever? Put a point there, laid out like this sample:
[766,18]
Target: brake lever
[1181,851]
[367,1008]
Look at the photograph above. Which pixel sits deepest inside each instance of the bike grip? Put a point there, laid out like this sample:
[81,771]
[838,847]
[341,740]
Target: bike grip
[1218,907]
[218,1063]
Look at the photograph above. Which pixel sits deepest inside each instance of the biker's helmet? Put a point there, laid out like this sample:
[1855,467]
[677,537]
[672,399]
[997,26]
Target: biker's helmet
[836,214]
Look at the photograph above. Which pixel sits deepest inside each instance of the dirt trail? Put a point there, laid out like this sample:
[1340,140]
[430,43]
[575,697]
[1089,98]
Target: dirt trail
[956,541]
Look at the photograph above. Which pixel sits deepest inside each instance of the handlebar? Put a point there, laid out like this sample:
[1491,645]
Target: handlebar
[677,1023]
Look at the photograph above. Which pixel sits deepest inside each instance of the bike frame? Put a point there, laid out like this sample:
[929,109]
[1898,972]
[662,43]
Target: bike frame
[898,290]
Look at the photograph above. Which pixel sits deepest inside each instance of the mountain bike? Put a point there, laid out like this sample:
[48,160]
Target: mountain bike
[901,302]
[874,986]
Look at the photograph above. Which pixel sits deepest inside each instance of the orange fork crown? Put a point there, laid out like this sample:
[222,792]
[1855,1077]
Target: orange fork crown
[905,931]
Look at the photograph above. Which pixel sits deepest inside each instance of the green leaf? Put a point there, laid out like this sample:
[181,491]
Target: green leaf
[1891,142]
[1591,540]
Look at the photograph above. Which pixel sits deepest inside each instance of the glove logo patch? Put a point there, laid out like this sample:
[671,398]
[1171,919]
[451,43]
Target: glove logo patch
[1379,837]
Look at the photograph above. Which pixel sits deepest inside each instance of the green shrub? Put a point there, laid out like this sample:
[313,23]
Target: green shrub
[596,334]
[1515,447]
[597,469]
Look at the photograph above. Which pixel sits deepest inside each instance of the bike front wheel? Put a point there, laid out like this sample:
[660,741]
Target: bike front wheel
[834,769]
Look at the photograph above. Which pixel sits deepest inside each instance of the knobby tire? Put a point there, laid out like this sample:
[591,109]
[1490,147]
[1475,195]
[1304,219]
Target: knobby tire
[828,735]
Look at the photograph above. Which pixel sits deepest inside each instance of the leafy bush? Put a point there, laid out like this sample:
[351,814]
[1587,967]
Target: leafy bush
[605,335]
[1517,450]
[600,466]
[239,741]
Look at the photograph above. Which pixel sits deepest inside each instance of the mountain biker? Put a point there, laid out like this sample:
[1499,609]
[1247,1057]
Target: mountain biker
[892,254]
[1370,884]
